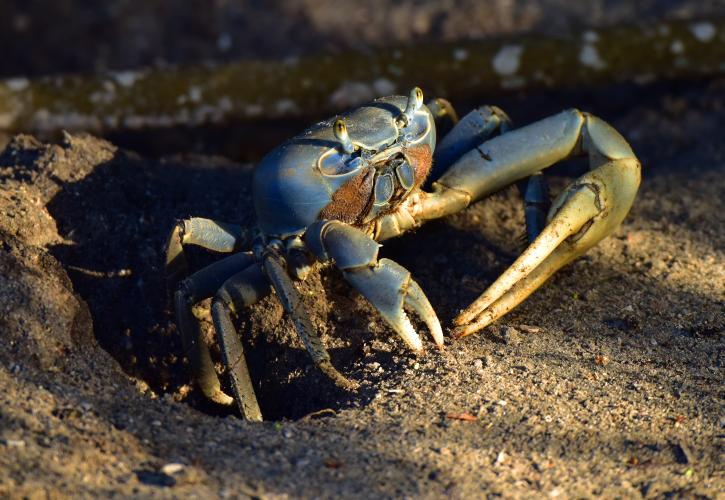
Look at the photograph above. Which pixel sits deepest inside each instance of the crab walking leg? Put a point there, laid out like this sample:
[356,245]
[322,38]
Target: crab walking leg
[294,306]
[206,233]
[240,291]
[586,212]
[476,127]
[386,285]
[536,205]
[442,108]
[469,132]
[197,287]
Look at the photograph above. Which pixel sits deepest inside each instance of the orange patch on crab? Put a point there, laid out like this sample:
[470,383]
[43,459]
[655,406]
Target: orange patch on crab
[352,201]
[421,159]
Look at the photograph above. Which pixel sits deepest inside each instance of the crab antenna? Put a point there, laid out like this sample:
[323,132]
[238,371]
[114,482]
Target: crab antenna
[415,101]
[341,135]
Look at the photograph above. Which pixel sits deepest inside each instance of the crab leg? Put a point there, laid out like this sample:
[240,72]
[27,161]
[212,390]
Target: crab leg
[544,254]
[218,237]
[386,285]
[469,132]
[536,205]
[293,305]
[197,287]
[206,233]
[241,290]
[587,211]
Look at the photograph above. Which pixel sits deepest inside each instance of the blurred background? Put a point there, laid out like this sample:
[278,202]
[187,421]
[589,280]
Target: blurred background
[235,77]
[45,37]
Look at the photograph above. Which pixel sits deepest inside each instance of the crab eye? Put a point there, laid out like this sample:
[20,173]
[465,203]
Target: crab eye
[415,102]
[418,96]
[340,131]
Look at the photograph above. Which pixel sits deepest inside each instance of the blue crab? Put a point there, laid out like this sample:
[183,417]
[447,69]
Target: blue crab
[334,192]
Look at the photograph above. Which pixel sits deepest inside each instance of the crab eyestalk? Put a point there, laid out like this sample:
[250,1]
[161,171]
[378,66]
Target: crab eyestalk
[340,130]
[415,101]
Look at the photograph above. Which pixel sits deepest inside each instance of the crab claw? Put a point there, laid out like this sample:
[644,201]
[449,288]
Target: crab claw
[388,286]
[588,211]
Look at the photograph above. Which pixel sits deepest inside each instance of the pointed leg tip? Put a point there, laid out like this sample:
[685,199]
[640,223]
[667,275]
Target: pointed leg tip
[462,319]
[337,378]
[405,329]
[437,334]
[220,397]
[457,333]
[251,416]
[464,331]
[418,350]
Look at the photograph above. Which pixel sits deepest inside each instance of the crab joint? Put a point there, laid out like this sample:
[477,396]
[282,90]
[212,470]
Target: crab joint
[415,101]
[341,135]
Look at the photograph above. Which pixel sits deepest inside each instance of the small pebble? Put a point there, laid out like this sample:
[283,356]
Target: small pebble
[15,443]
[172,468]
[529,328]
[510,335]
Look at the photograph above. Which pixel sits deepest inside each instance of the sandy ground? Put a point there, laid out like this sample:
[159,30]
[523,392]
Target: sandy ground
[608,381]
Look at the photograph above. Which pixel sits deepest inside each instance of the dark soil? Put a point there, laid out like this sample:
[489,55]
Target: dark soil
[606,382]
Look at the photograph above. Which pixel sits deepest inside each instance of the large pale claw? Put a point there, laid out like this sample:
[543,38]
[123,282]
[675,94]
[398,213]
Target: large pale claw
[584,214]
[389,287]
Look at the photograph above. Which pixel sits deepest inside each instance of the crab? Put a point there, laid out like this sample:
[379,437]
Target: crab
[331,194]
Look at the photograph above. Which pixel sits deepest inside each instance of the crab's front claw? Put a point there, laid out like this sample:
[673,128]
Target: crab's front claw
[388,286]
[585,213]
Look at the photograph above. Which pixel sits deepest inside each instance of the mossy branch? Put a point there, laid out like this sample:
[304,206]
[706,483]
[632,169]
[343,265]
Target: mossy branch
[248,90]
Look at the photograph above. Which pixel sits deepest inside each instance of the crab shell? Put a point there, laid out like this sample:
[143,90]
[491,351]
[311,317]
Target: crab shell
[311,177]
